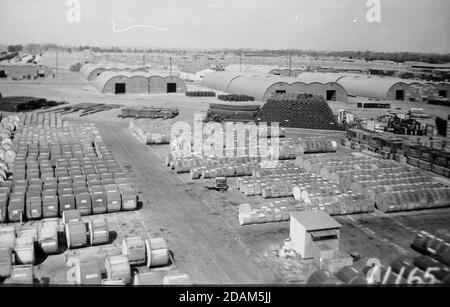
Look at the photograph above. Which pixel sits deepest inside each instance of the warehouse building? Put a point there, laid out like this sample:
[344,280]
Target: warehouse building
[24,71]
[121,82]
[220,80]
[263,86]
[91,71]
[194,75]
[391,88]
[324,85]
[378,88]
[265,70]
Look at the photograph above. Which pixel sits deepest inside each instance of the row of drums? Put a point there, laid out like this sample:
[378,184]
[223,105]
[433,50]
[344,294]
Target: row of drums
[136,251]
[184,165]
[374,190]
[413,199]
[7,153]
[19,246]
[431,245]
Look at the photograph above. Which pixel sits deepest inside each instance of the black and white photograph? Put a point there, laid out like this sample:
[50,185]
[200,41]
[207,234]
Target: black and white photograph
[207,147]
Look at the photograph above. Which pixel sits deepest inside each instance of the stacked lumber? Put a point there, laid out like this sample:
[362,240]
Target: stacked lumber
[235,113]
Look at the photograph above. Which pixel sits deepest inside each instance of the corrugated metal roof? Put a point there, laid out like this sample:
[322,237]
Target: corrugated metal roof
[253,86]
[220,80]
[315,220]
[370,87]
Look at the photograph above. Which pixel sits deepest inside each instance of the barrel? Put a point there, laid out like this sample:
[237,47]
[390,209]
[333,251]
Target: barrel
[22,274]
[157,252]
[177,279]
[425,262]
[5,262]
[320,277]
[48,239]
[114,201]
[134,248]
[24,250]
[8,236]
[71,216]
[83,203]
[98,202]
[113,282]
[403,263]
[351,276]
[129,199]
[146,279]
[66,202]
[98,231]
[76,235]
[118,267]
[50,206]
[88,272]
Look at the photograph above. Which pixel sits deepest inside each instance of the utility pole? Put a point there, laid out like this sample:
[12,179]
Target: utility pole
[240,62]
[57,63]
[170,59]
[143,59]
[290,65]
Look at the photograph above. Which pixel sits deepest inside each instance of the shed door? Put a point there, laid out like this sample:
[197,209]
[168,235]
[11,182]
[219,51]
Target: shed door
[331,95]
[399,95]
[120,88]
[2,74]
[171,87]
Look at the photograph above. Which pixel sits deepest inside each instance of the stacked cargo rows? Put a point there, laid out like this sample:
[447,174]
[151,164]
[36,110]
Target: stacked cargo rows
[7,152]
[437,161]
[309,189]
[432,267]
[406,189]
[244,161]
[20,246]
[62,167]
[151,131]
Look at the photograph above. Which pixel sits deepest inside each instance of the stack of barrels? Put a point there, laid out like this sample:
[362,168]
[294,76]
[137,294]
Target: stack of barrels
[152,252]
[151,131]
[78,235]
[62,167]
[433,246]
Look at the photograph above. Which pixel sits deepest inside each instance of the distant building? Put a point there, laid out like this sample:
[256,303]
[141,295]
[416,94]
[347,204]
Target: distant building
[24,71]
[194,75]
[263,86]
[123,82]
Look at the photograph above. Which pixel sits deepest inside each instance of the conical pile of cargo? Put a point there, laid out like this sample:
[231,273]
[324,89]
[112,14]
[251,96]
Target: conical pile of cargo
[298,111]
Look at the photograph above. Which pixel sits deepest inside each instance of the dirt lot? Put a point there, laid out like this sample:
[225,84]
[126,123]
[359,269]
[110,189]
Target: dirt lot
[201,227]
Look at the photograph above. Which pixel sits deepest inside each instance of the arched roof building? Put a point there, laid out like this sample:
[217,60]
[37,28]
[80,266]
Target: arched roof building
[139,82]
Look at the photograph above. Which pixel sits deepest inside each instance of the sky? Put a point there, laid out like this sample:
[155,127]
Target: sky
[405,25]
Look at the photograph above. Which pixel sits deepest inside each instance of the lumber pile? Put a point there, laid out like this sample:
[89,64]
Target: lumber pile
[234,113]
[148,112]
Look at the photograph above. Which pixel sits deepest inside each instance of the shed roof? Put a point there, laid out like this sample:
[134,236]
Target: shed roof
[220,80]
[370,87]
[315,220]
[255,86]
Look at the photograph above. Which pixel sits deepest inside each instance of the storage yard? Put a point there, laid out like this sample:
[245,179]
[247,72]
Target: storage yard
[98,191]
